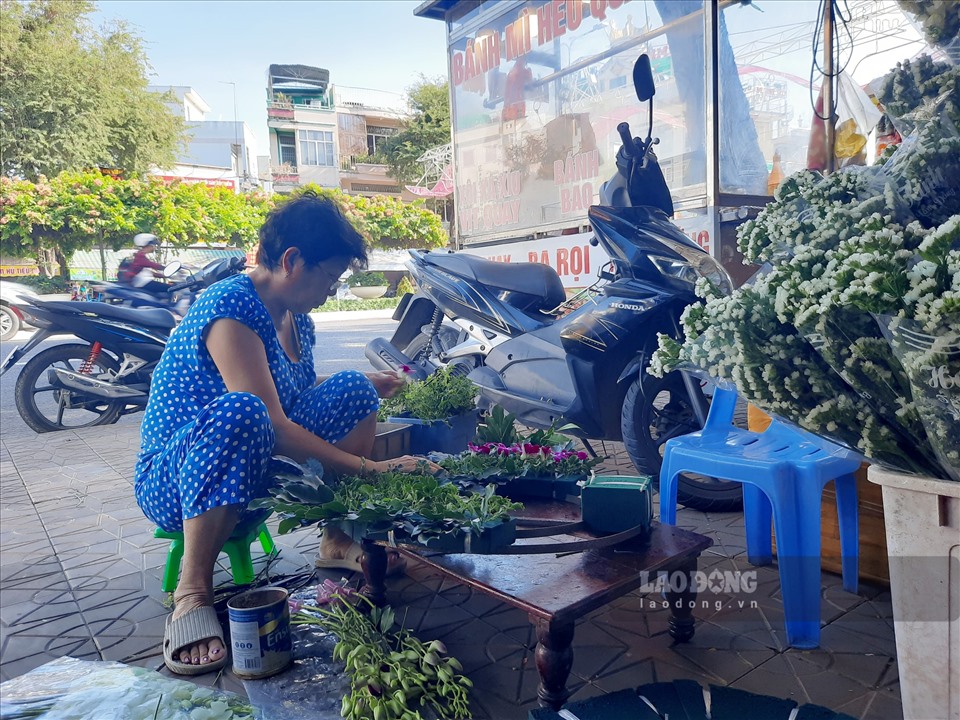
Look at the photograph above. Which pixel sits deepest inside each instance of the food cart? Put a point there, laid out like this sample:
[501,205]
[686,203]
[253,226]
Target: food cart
[539,86]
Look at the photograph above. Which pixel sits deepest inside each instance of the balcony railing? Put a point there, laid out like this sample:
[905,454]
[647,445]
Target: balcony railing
[284,175]
[367,164]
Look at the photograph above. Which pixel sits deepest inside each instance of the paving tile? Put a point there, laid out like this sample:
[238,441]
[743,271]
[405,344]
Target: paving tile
[45,574]
[23,653]
[35,610]
[109,567]
[132,606]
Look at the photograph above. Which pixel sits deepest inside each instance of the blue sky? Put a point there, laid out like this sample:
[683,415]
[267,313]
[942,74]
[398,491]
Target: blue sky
[376,44]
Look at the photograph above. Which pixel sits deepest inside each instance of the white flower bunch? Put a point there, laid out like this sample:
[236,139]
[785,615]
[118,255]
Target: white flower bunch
[810,341]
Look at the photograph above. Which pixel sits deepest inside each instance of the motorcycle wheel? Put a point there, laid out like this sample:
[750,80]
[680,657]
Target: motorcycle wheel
[655,410]
[9,323]
[47,408]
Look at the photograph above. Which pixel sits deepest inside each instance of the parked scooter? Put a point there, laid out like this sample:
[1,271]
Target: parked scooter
[108,374]
[509,328]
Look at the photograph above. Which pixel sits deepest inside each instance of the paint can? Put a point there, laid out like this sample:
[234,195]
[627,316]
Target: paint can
[260,632]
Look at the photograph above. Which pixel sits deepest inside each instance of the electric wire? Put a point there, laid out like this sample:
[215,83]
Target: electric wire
[836,13]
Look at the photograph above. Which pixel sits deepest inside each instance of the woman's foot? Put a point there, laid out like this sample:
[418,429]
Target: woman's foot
[206,651]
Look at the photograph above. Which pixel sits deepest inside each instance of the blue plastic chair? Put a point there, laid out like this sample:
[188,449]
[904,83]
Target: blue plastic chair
[783,471]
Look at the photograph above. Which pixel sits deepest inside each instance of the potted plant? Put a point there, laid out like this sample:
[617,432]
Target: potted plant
[405,508]
[441,410]
[540,464]
[368,285]
[854,334]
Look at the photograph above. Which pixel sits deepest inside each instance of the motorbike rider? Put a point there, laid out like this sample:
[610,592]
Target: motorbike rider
[146,243]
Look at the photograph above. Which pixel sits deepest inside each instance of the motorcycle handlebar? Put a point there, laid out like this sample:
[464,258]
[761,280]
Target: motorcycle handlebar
[628,147]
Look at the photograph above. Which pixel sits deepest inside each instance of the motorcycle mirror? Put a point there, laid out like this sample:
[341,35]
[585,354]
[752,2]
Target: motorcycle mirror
[172,268]
[643,79]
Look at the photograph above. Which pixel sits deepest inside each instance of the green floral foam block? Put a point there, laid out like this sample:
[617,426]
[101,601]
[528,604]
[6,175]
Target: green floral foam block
[614,503]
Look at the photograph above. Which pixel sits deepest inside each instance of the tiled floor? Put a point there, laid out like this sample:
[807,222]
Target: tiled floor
[80,576]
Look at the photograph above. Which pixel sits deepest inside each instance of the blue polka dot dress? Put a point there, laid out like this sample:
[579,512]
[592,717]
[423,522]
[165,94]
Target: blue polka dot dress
[201,446]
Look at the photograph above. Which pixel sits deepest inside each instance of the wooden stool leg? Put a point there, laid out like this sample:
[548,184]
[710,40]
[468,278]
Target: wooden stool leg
[554,656]
[374,564]
[682,602]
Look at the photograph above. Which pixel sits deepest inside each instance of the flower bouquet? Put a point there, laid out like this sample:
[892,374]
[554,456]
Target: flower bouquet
[852,330]
[523,468]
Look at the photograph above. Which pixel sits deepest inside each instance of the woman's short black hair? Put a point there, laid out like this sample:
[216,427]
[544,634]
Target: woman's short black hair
[313,224]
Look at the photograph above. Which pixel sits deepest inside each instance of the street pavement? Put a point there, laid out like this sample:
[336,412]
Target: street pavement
[80,576]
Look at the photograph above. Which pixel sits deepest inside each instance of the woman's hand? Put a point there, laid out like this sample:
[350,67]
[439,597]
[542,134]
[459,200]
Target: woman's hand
[407,463]
[386,383]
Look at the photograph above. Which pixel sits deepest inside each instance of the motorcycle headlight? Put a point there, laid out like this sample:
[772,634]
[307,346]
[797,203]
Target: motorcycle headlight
[694,265]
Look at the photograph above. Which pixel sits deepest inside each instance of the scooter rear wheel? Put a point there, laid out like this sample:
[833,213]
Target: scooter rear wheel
[48,408]
[424,356]
[655,410]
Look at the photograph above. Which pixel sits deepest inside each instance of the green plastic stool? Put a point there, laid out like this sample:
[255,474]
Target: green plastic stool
[237,548]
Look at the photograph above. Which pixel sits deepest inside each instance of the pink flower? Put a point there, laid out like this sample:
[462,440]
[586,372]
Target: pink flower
[531,449]
[581,455]
[406,369]
[295,606]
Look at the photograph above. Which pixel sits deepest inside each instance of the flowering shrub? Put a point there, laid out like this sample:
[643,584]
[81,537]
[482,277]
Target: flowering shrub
[854,331]
[496,460]
[387,222]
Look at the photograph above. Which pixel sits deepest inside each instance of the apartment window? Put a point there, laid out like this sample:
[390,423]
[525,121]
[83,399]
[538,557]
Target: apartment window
[288,148]
[377,136]
[316,147]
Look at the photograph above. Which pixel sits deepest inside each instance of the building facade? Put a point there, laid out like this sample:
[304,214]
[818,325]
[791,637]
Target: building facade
[329,135]
[218,153]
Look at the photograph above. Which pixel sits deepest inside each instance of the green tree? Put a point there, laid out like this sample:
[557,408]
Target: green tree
[85,210]
[428,127]
[74,98]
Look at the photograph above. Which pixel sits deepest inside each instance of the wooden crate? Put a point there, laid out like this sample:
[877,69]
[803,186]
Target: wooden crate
[392,441]
[873,536]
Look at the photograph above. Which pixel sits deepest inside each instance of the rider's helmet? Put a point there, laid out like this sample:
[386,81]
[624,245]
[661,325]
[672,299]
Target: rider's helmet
[145,239]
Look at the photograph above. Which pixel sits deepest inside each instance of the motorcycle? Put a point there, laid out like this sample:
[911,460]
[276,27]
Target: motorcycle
[107,375]
[510,329]
[177,297]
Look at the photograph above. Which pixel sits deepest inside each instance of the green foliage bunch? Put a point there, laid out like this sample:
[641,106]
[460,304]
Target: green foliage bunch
[417,507]
[386,222]
[393,675]
[428,127]
[367,279]
[380,303]
[82,210]
[405,286]
[497,461]
[499,427]
[442,395]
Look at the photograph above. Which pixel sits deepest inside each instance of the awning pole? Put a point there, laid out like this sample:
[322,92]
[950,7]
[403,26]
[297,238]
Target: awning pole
[829,89]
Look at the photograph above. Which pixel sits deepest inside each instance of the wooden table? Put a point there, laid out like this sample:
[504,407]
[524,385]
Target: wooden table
[556,591]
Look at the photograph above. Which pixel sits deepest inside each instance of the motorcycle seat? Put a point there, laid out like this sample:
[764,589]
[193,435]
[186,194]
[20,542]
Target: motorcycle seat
[524,278]
[145,317]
